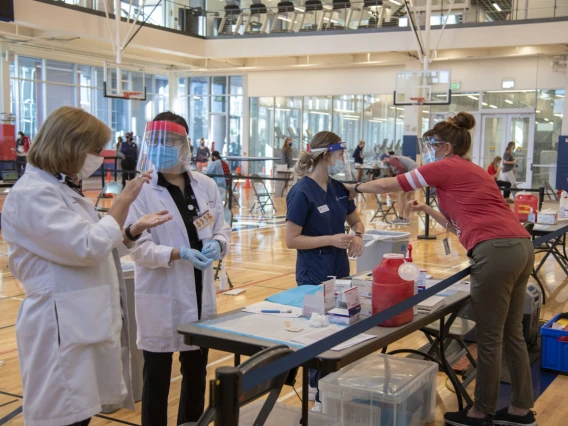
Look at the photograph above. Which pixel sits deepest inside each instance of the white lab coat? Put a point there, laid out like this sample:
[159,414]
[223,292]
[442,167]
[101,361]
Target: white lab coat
[165,293]
[71,331]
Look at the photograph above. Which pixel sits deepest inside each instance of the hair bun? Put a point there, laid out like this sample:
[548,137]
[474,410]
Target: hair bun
[464,120]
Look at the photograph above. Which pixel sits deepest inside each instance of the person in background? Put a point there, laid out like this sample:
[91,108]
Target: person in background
[174,276]
[286,156]
[318,208]
[358,158]
[202,155]
[502,259]
[22,148]
[190,149]
[494,171]
[130,151]
[216,169]
[72,327]
[509,163]
[401,165]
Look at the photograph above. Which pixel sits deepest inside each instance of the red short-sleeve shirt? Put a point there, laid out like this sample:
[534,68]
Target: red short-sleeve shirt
[468,198]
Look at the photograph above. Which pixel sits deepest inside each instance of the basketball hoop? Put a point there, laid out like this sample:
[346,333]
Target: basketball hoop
[135,97]
[418,101]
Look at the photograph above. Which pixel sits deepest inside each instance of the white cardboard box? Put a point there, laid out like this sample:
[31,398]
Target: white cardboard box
[547,217]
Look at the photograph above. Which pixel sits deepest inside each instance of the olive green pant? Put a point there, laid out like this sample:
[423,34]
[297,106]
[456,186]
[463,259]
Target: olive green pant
[499,274]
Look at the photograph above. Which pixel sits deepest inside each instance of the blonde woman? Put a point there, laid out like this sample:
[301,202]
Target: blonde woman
[318,208]
[71,324]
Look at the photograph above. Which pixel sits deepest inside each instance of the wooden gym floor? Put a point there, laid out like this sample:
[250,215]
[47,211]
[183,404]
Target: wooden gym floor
[260,262]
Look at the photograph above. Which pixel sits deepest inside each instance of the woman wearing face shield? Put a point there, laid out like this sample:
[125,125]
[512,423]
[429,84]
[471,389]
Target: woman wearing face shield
[72,321]
[318,208]
[502,259]
[174,276]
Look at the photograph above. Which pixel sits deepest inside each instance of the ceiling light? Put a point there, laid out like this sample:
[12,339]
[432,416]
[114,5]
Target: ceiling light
[318,112]
[401,116]
[559,96]
[400,109]
[396,2]
[472,97]
[392,108]
[537,111]
[546,119]
[350,117]
[425,112]
[299,9]
[484,103]
[558,115]
[492,106]
[284,19]
[509,101]
[496,6]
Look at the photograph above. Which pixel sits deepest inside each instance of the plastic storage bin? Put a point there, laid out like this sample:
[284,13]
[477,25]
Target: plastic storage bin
[283,415]
[393,242]
[381,390]
[554,352]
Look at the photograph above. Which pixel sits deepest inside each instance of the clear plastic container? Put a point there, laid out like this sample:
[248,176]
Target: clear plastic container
[283,415]
[381,390]
[391,242]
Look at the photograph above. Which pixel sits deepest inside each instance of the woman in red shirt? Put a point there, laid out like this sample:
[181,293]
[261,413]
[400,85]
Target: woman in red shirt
[494,171]
[502,258]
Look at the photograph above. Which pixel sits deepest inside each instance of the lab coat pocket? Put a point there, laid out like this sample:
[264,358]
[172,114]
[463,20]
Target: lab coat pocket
[154,315]
[83,316]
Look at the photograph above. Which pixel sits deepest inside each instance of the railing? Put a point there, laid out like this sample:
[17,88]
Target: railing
[347,16]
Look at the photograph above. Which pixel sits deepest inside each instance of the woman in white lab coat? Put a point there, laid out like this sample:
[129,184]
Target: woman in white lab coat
[72,321]
[174,274]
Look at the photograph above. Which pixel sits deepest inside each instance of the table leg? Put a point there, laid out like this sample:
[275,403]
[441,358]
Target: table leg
[305,395]
[460,390]
[237,360]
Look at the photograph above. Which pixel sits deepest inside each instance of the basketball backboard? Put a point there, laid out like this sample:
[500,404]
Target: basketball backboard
[431,85]
[124,82]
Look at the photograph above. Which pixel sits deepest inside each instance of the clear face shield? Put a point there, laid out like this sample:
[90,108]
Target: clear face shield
[428,147]
[342,168]
[165,148]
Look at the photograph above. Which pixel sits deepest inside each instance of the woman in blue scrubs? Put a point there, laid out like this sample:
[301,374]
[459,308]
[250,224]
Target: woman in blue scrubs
[318,208]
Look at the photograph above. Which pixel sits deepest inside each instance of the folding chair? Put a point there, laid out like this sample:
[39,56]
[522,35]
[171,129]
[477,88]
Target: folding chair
[229,219]
[459,328]
[272,387]
[263,197]
[381,213]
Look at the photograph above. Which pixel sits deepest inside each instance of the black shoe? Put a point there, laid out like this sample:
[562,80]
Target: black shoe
[503,418]
[460,418]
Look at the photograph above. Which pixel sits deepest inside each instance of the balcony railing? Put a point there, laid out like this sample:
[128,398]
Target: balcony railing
[303,16]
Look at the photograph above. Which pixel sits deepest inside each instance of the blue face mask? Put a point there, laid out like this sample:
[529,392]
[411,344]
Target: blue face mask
[164,157]
[337,168]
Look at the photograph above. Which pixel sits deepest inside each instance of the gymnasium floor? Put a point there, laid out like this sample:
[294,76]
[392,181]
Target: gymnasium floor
[260,262]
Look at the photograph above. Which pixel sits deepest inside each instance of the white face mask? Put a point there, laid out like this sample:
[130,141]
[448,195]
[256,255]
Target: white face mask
[92,164]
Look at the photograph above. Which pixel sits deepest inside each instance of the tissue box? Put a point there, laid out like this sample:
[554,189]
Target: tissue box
[547,217]
[366,306]
[342,285]
[344,316]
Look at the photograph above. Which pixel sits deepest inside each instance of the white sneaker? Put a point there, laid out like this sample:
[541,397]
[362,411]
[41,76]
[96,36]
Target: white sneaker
[395,221]
[318,407]
[312,393]
[403,222]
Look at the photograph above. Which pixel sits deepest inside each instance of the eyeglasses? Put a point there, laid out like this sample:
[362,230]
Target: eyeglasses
[98,152]
[168,141]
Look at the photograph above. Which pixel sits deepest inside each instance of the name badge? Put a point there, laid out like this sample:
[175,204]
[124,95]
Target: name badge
[203,221]
[323,209]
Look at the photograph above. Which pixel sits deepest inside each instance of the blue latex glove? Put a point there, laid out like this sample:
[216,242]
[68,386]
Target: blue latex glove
[212,250]
[196,258]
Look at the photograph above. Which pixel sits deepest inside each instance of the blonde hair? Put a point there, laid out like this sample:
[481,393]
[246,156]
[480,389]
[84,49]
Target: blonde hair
[308,160]
[65,139]
[496,162]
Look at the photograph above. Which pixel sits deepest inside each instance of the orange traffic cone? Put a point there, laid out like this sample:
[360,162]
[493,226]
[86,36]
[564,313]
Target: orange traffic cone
[247,184]
[238,170]
[109,177]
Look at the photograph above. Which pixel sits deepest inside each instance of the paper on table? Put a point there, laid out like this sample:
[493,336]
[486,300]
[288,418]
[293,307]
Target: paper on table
[321,333]
[235,291]
[257,308]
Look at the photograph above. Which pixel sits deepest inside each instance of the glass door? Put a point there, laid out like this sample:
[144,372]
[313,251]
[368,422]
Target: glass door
[497,131]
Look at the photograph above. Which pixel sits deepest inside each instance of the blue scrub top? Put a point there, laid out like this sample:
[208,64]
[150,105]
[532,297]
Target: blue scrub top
[319,213]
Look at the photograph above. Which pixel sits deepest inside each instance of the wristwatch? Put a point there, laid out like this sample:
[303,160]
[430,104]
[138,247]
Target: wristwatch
[129,235]
[357,187]
[358,234]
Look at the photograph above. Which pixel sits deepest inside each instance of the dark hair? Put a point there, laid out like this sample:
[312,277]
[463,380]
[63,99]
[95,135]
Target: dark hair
[455,130]
[174,118]
[216,154]
[391,152]
[428,133]
[309,160]
[510,145]
[21,133]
